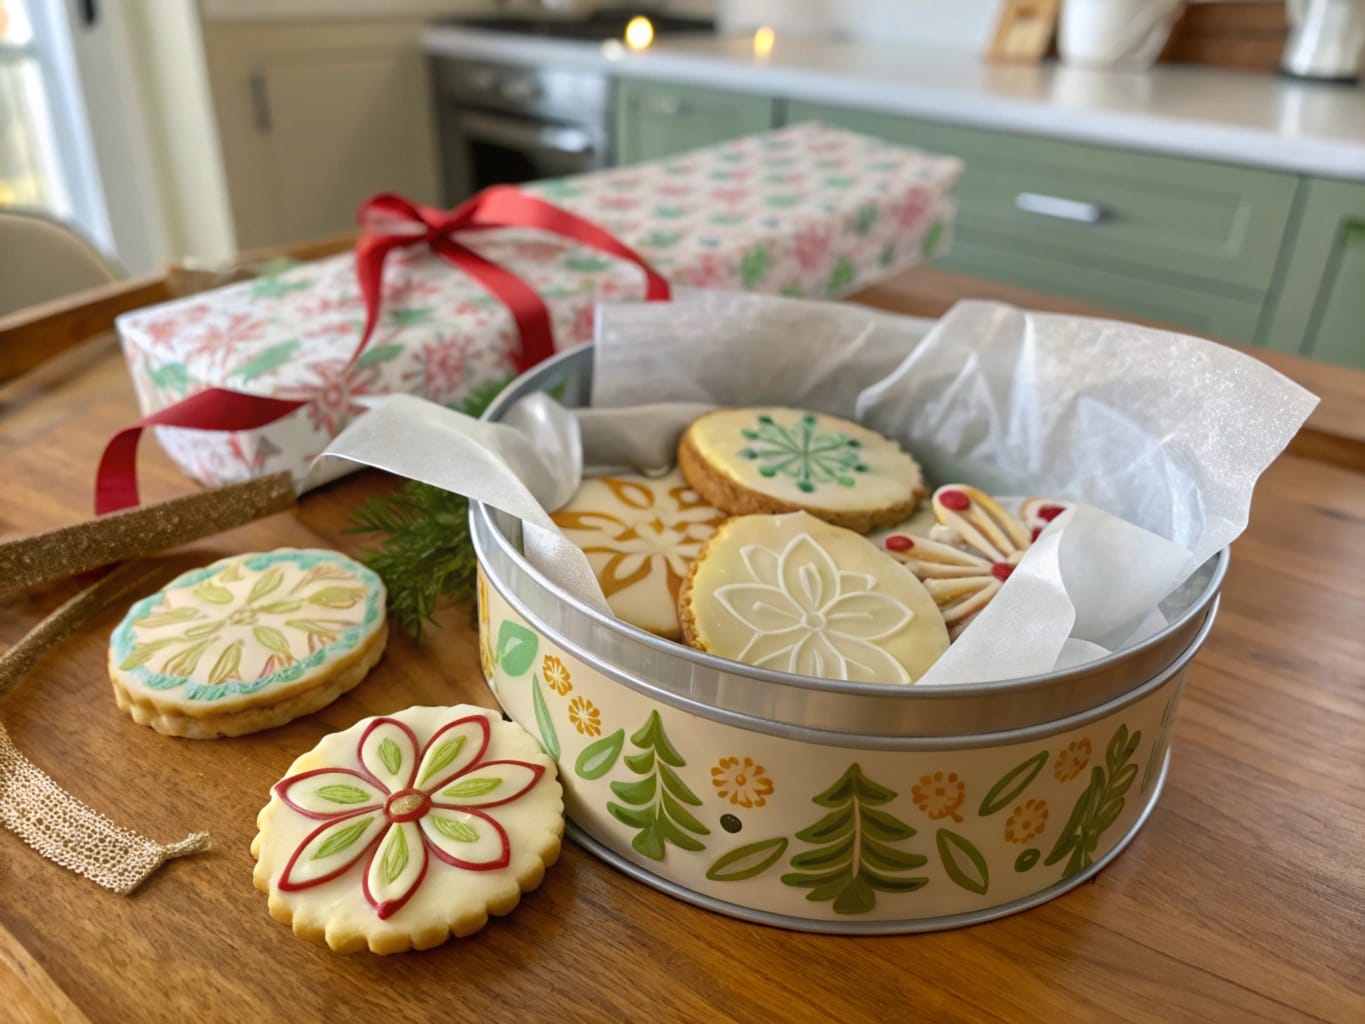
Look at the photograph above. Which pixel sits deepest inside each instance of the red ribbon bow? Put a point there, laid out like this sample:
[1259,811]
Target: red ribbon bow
[388,222]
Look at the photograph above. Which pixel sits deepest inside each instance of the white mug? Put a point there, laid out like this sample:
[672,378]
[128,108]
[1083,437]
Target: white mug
[1115,33]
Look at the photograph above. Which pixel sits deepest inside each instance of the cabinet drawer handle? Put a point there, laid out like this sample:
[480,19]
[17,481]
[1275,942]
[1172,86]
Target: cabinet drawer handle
[260,103]
[666,106]
[1062,209]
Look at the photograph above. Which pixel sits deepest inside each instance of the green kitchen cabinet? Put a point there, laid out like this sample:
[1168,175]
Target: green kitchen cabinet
[1187,241]
[659,119]
[1318,308]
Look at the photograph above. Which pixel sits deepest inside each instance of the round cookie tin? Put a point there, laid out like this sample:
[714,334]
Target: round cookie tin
[822,805]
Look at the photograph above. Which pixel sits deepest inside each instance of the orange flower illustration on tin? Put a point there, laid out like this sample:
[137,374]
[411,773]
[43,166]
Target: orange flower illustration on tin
[556,675]
[585,718]
[1072,761]
[742,782]
[940,795]
[1026,821]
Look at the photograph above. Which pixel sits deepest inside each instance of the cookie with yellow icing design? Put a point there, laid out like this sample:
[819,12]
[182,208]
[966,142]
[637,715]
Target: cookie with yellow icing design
[641,536]
[798,595]
[785,460]
[248,643]
[408,828]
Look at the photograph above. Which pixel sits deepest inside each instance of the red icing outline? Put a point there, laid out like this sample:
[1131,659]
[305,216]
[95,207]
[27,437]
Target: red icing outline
[281,788]
[390,907]
[503,860]
[431,744]
[953,500]
[416,748]
[899,542]
[1001,571]
[288,886]
[537,770]
[1050,512]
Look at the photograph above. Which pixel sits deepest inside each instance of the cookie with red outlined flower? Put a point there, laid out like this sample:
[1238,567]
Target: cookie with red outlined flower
[407,828]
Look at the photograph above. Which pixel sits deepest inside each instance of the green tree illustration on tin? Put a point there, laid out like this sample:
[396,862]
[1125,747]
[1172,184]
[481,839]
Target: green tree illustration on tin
[1099,806]
[852,860]
[654,803]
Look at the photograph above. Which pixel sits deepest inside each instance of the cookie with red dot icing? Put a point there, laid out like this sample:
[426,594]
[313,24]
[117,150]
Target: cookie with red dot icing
[971,550]
[408,828]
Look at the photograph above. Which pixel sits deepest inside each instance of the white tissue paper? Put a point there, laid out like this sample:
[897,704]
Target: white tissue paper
[1156,438]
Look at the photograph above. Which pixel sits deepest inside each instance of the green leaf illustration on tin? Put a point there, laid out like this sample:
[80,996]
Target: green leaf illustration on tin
[932,237]
[853,858]
[466,788]
[516,648]
[392,756]
[395,855]
[452,829]
[841,277]
[167,617]
[1099,806]
[1026,860]
[747,861]
[586,264]
[753,266]
[342,794]
[549,739]
[963,862]
[268,582]
[272,639]
[1163,741]
[172,377]
[1012,784]
[228,664]
[213,593]
[866,217]
[270,359]
[444,754]
[336,597]
[342,838]
[655,803]
[405,317]
[598,757]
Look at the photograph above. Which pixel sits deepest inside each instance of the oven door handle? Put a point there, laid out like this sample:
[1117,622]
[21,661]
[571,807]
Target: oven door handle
[507,132]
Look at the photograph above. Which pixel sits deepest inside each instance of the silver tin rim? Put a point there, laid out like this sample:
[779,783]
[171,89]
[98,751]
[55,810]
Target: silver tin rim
[901,927]
[756,695]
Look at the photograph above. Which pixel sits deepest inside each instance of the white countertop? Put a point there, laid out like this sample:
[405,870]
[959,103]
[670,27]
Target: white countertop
[1249,119]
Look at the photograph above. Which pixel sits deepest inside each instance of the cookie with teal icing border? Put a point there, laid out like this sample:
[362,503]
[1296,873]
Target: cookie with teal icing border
[248,643]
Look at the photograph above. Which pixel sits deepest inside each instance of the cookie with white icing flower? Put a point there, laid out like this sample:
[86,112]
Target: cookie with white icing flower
[967,555]
[747,461]
[795,594]
[248,643]
[641,536]
[408,828]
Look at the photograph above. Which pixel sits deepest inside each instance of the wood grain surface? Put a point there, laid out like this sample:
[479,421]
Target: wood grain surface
[1243,899]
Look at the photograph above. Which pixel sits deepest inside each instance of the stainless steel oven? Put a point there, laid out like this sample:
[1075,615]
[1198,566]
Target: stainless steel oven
[513,123]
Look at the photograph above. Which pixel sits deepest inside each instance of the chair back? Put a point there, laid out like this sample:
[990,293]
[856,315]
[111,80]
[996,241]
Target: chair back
[44,259]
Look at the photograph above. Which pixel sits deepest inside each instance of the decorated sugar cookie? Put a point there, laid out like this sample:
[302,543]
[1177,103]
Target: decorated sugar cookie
[408,828]
[248,643]
[641,537]
[971,550]
[796,594]
[784,460]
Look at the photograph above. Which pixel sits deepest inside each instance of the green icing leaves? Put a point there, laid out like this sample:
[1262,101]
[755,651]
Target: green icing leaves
[799,451]
[748,861]
[337,597]
[654,804]
[395,855]
[452,829]
[467,788]
[213,593]
[228,664]
[343,794]
[549,739]
[342,838]
[267,583]
[1099,806]
[599,756]
[441,758]
[516,648]
[168,617]
[1012,784]
[963,862]
[853,858]
[271,639]
[392,756]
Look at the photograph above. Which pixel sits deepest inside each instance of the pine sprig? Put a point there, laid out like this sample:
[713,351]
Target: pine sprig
[426,554]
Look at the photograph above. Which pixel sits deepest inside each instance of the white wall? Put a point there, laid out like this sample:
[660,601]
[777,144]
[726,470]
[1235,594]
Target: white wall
[959,24]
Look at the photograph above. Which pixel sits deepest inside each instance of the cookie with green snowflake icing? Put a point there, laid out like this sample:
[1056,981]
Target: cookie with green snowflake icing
[248,643]
[747,461]
[408,828]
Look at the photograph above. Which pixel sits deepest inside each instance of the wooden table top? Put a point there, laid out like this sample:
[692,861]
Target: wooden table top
[1242,899]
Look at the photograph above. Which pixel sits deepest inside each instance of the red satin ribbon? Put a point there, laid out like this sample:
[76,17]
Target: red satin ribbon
[389,222]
